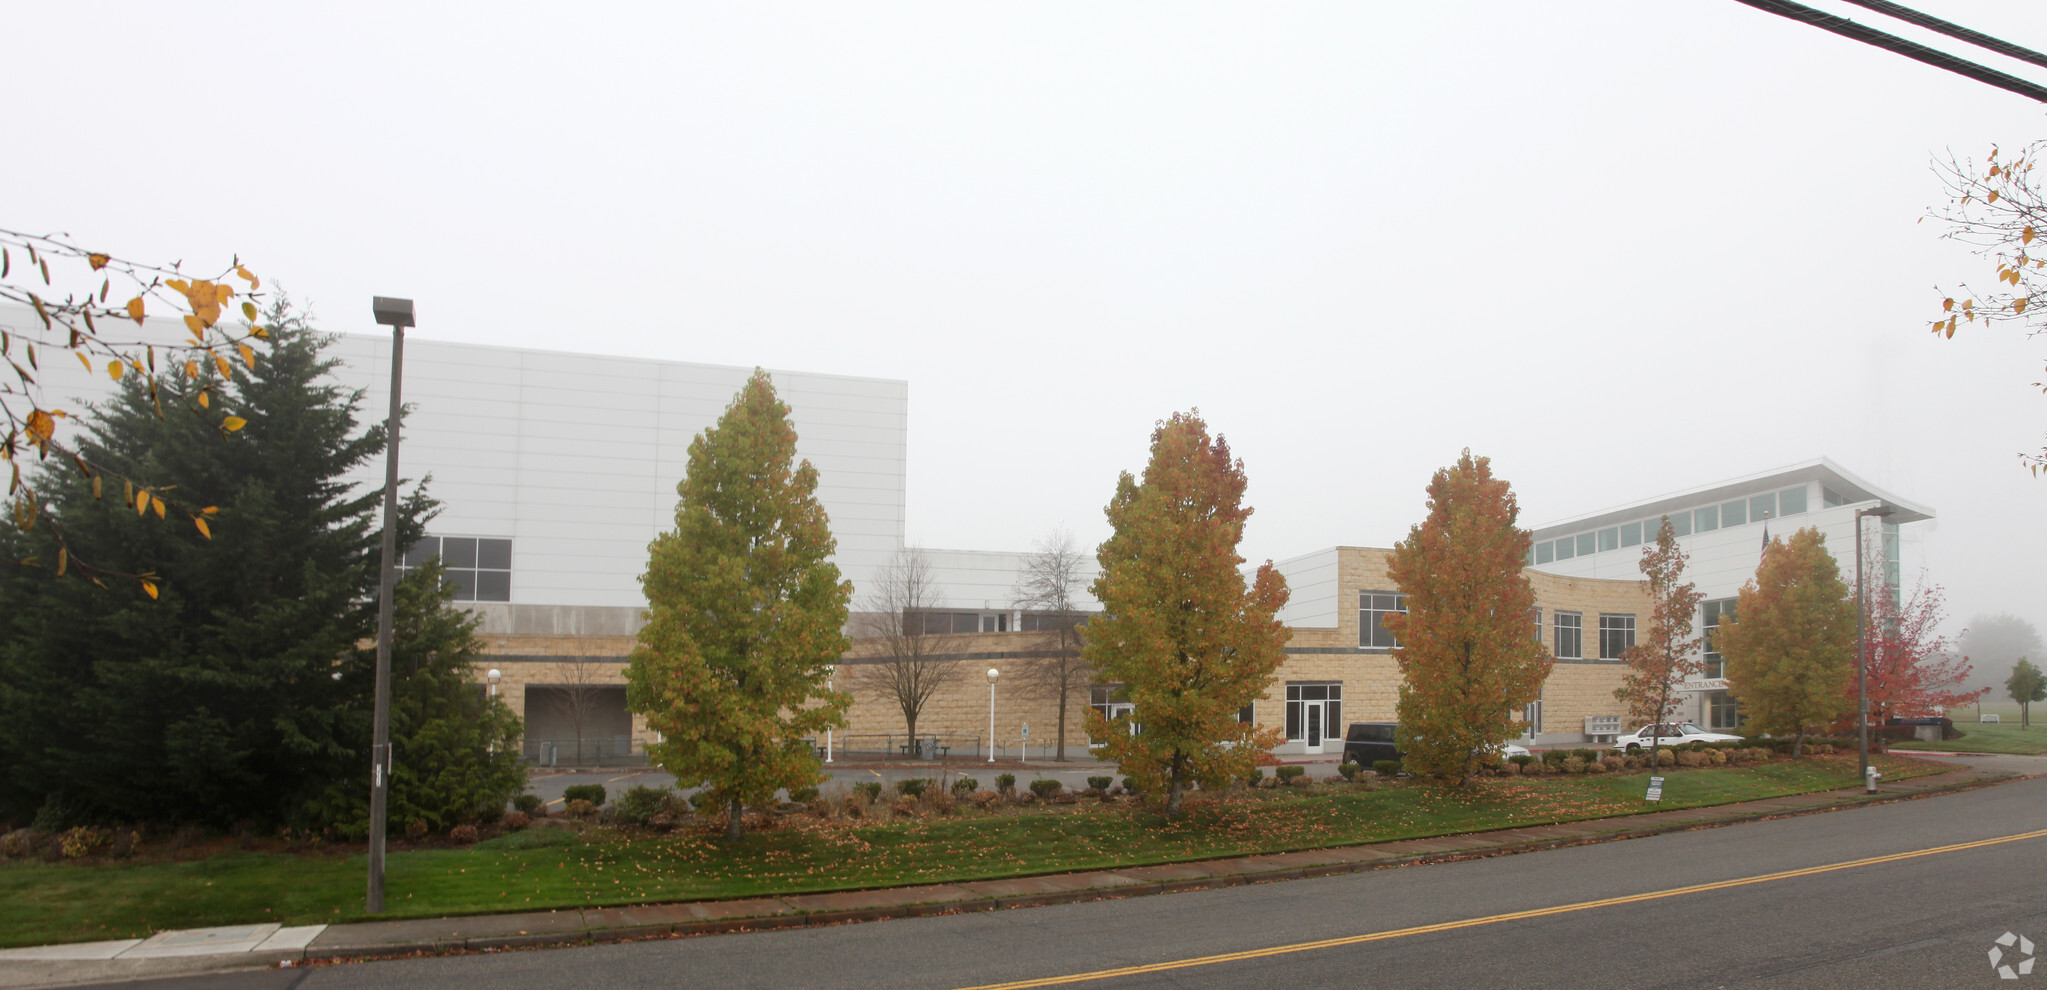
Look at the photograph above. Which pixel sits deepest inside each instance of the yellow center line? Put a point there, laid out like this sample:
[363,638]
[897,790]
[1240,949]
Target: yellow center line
[1104,974]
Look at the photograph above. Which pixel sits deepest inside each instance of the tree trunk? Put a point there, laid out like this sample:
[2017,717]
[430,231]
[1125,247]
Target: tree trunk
[1798,744]
[732,829]
[1176,784]
[1061,740]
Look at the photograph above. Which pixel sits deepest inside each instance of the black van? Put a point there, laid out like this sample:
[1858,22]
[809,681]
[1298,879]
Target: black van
[1365,743]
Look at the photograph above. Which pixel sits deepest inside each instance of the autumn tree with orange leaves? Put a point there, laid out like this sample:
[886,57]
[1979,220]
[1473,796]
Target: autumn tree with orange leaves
[1669,655]
[1467,663]
[1188,641]
[1790,650]
[100,326]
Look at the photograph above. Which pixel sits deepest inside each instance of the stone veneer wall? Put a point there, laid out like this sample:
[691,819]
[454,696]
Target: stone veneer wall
[539,651]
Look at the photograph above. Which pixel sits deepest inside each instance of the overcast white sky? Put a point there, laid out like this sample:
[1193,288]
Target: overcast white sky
[1620,247]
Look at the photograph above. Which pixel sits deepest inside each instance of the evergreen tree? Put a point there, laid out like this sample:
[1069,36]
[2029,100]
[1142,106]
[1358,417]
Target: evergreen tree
[1189,642]
[746,615]
[1466,660]
[1790,651]
[206,693]
[457,757]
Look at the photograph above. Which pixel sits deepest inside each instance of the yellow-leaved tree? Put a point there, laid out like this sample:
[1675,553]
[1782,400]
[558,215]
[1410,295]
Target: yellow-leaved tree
[745,615]
[68,317]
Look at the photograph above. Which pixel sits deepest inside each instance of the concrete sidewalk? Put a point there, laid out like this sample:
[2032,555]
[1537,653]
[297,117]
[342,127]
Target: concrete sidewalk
[253,946]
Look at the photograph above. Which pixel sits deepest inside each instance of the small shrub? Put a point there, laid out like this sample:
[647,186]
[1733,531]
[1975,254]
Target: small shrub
[1691,758]
[1613,764]
[965,786]
[1585,754]
[1288,774]
[82,841]
[1044,789]
[802,795]
[1130,787]
[1026,798]
[1521,759]
[593,793]
[639,805]
[1101,783]
[1386,768]
[1595,766]
[1555,757]
[940,801]
[1347,770]
[1371,783]
[1005,783]
[1255,777]
[528,803]
[415,830]
[128,840]
[517,820]
[18,844]
[1512,769]
[984,798]
[912,787]
[465,834]
[1573,764]
[870,788]
[905,807]
[578,808]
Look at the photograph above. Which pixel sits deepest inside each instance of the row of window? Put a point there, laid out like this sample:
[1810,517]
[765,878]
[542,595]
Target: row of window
[478,570]
[1769,505]
[1616,629]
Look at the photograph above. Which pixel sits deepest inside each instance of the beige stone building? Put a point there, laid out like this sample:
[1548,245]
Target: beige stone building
[563,668]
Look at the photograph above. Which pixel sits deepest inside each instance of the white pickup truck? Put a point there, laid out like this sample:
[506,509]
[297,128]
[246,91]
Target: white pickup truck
[1669,734]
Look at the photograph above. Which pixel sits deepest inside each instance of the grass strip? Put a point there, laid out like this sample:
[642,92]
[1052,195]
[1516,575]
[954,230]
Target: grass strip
[2009,738]
[42,903]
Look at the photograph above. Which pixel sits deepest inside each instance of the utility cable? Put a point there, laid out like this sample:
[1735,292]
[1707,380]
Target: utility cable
[1892,43]
[1952,30]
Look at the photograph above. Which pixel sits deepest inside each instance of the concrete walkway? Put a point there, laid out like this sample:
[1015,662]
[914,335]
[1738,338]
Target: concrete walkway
[254,946]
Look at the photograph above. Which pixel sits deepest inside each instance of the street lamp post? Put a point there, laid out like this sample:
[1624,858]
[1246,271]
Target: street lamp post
[828,686]
[992,673]
[396,314]
[1862,656]
[492,677]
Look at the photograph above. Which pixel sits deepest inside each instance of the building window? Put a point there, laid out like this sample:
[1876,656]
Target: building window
[1680,524]
[1584,544]
[1631,535]
[1545,552]
[1609,539]
[1791,501]
[1722,714]
[1245,713]
[1535,618]
[1373,608]
[1531,713]
[1734,513]
[1564,548]
[1830,498]
[1762,507]
[1314,709]
[478,569]
[1706,520]
[1616,634]
[1711,615]
[1569,633]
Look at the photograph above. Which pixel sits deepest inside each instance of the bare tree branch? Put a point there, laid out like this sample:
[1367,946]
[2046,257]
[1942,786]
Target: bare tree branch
[1047,591]
[915,655]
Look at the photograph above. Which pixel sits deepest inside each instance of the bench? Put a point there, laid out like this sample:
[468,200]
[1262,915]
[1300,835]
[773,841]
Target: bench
[1989,719]
[922,747]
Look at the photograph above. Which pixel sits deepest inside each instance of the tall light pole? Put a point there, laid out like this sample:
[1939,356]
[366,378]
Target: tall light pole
[992,673]
[1862,656]
[396,314]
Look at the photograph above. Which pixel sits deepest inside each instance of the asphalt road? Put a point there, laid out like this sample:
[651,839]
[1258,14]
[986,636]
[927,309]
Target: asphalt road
[1923,916]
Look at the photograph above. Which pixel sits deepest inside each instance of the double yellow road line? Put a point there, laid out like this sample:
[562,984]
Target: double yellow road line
[1493,919]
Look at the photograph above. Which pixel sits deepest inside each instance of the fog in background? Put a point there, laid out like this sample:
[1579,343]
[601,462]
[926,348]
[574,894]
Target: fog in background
[1621,248]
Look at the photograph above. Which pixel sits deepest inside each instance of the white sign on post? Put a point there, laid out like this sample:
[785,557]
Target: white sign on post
[1027,730]
[1656,788]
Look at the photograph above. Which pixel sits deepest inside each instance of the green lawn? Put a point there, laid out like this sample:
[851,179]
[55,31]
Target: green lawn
[1998,737]
[45,903]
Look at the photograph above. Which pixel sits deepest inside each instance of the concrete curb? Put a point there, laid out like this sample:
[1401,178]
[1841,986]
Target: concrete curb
[494,933]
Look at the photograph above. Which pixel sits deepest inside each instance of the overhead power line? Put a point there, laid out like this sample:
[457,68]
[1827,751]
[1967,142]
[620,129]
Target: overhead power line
[1910,49]
[1953,30]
